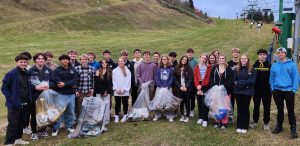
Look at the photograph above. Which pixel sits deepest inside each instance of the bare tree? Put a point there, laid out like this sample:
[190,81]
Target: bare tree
[192,4]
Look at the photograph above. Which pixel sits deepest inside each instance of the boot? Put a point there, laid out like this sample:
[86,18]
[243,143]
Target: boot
[294,133]
[277,129]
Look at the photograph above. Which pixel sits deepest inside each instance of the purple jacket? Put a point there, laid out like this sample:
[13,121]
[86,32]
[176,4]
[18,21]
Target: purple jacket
[145,72]
[164,77]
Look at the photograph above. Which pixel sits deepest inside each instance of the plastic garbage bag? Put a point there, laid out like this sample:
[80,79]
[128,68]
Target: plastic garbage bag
[218,102]
[140,109]
[164,101]
[91,118]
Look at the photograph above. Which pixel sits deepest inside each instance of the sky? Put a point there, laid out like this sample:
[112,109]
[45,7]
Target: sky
[229,8]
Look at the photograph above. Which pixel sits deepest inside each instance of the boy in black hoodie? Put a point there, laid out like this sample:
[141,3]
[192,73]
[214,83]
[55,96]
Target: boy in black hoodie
[262,89]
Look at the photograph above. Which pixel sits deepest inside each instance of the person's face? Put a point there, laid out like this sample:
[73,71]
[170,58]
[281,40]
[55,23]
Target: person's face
[72,55]
[84,61]
[235,54]
[106,56]
[91,57]
[22,64]
[165,60]
[155,57]
[171,58]
[216,53]
[104,64]
[125,57]
[244,60]
[212,59]
[40,61]
[147,57]
[281,55]
[65,62]
[121,62]
[49,59]
[184,60]
[137,54]
[189,55]
[222,59]
[262,56]
[203,59]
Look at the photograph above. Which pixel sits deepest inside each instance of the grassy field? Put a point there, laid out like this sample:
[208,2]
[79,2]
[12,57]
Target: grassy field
[131,24]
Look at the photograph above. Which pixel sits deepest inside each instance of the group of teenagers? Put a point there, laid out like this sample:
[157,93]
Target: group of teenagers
[188,79]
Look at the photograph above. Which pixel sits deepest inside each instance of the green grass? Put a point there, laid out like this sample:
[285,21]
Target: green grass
[134,24]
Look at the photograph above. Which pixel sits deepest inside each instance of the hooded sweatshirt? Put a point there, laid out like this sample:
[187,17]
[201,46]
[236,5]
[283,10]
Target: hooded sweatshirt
[284,76]
[145,72]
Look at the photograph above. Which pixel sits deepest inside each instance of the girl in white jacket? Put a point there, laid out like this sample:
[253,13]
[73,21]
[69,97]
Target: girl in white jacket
[121,85]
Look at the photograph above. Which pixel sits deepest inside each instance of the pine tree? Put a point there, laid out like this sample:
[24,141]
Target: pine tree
[271,17]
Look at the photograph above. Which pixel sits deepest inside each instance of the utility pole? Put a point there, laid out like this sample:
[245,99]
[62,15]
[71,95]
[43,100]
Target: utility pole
[280,10]
[296,31]
[252,4]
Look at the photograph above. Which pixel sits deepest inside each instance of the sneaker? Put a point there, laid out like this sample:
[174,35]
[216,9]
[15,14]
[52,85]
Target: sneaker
[204,124]
[294,133]
[266,127]
[223,127]
[124,119]
[244,131]
[192,114]
[253,125]
[277,129]
[181,119]
[44,134]
[34,136]
[116,119]
[239,130]
[218,125]
[8,145]
[54,133]
[156,118]
[21,142]
[27,130]
[200,121]
[62,125]
[70,130]
[171,120]
[104,129]
[186,119]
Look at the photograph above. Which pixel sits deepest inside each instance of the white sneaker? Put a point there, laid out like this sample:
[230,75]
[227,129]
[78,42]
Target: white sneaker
[27,130]
[34,136]
[116,119]
[181,119]
[156,118]
[70,130]
[204,124]
[171,120]
[200,121]
[186,119]
[8,145]
[192,114]
[238,130]
[244,131]
[21,142]
[124,119]
[253,125]
[104,129]
[44,134]
[54,133]
[266,127]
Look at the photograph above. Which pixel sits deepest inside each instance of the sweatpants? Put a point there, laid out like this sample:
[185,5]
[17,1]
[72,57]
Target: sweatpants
[121,100]
[263,95]
[17,119]
[289,97]
[243,116]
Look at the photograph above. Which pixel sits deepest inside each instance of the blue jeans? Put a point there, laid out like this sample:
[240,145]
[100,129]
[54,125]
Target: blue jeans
[69,114]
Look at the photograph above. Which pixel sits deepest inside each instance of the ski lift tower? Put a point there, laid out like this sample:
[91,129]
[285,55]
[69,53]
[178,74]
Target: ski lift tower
[252,4]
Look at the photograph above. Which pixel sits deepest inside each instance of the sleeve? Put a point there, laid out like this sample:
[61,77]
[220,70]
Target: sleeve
[295,76]
[127,83]
[170,81]
[196,77]
[250,81]
[190,79]
[93,78]
[73,80]
[51,81]
[6,86]
[115,79]
[211,77]
[177,84]
[158,79]
[206,77]
[138,75]
[228,84]
[31,80]
[272,78]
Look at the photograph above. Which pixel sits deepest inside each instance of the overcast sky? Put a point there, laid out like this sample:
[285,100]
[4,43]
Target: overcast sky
[229,8]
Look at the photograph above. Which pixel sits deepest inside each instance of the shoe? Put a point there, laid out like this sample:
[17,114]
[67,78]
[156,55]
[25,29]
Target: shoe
[239,130]
[44,134]
[8,145]
[186,119]
[218,125]
[253,125]
[27,130]
[294,133]
[266,127]
[116,119]
[124,119]
[104,129]
[223,127]
[34,136]
[54,133]
[277,129]
[21,142]
[244,131]
[62,126]
[204,124]
[171,120]
[200,121]
[70,130]
[156,118]
[192,113]
[181,119]
[230,119]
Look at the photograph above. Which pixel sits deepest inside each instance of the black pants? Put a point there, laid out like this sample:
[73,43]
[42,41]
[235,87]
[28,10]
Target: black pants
[134,90]
[202,108]
[263,95]
[289,97]
[17,120]
[243,116]
[193,97]
[121,100]
[232,98]
[33,123]
[185,96]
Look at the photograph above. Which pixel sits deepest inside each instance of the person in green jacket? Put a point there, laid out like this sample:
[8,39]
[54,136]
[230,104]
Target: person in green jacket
[192,62]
